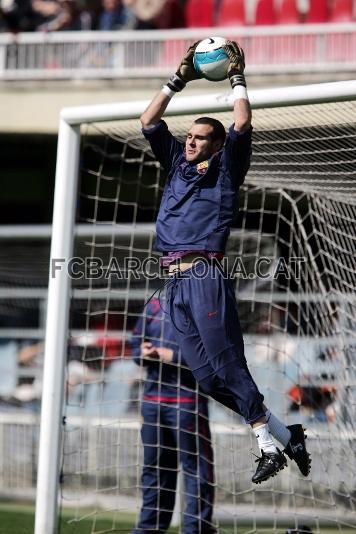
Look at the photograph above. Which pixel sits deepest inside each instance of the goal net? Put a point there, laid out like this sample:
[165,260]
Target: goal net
[291,255]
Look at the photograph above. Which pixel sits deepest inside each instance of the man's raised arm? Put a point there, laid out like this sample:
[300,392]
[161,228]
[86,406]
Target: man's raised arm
[155,110]
[185,73]
[242,108]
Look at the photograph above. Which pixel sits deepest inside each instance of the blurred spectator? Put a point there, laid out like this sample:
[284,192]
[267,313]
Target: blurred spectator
[69,18]
[145,10]
[16,16]
[101,375]
[8,367]
[317,397]
[28,390]
[30,360]
[116,16]
[44,11]
[317,402]
[171,15]
[100,347]
[157,14]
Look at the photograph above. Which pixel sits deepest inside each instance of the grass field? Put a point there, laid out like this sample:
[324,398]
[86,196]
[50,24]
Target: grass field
[16,519]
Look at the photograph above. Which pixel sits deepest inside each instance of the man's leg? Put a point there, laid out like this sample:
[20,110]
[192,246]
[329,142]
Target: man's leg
[159,474]
[204,314]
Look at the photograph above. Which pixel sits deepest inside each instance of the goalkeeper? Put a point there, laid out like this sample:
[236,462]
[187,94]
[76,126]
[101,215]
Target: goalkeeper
[175,430]
[198,206]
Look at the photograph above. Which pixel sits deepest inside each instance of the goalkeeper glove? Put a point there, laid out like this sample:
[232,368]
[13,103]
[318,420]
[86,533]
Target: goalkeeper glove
[185,73]
[237,64]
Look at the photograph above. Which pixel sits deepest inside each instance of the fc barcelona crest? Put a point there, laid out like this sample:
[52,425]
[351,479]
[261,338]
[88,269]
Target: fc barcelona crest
[202,167]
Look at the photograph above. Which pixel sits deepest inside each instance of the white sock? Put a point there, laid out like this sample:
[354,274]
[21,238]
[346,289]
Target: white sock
[278,429]
[264,438]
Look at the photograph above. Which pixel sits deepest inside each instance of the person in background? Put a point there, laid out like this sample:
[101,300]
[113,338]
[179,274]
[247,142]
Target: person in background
[70,17]
[175,430]
[44,11]
[29,365]
[158,14]
[16,16]
[116,16]
[316,396]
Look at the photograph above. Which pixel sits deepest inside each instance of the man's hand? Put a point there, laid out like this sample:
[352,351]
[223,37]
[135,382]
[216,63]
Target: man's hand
[186,71]
[156,353]
[242,108]
[237,63]
[148,350]
[165,354]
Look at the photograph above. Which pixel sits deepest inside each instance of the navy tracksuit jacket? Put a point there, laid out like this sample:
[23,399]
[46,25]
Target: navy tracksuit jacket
[175,431]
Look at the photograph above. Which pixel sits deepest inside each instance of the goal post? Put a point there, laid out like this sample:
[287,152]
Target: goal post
[56,336]
[63,233]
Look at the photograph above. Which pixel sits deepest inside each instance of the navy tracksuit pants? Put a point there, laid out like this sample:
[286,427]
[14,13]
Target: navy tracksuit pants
[172,435]
[203,311]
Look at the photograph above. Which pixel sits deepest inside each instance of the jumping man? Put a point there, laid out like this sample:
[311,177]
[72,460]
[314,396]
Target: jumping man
[198,206]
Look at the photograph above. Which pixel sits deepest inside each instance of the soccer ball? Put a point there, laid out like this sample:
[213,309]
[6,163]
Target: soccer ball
[210,59]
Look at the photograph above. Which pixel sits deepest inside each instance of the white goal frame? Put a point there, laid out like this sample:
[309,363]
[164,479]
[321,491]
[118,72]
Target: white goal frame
[62,246]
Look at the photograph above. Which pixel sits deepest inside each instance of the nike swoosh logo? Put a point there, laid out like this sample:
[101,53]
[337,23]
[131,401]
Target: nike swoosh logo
[211,40]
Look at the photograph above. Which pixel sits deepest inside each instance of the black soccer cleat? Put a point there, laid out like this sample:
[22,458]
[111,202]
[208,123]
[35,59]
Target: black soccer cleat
[268,465]
[296,449]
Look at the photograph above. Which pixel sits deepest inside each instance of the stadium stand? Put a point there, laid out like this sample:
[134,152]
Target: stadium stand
[18,16]
[265,13]
[232,13]
[318,12]
[342,11]
[200,13]
[337,48]
[288,12]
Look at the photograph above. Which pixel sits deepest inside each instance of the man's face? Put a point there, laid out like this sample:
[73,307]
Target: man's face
[198,145]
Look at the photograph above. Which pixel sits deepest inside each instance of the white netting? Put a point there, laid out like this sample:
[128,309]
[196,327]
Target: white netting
[298,202]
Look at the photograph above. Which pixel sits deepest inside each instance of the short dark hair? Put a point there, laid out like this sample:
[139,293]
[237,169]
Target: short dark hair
[218,133]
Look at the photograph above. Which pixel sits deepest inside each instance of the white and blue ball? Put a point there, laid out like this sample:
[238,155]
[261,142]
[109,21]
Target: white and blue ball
[210,59]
